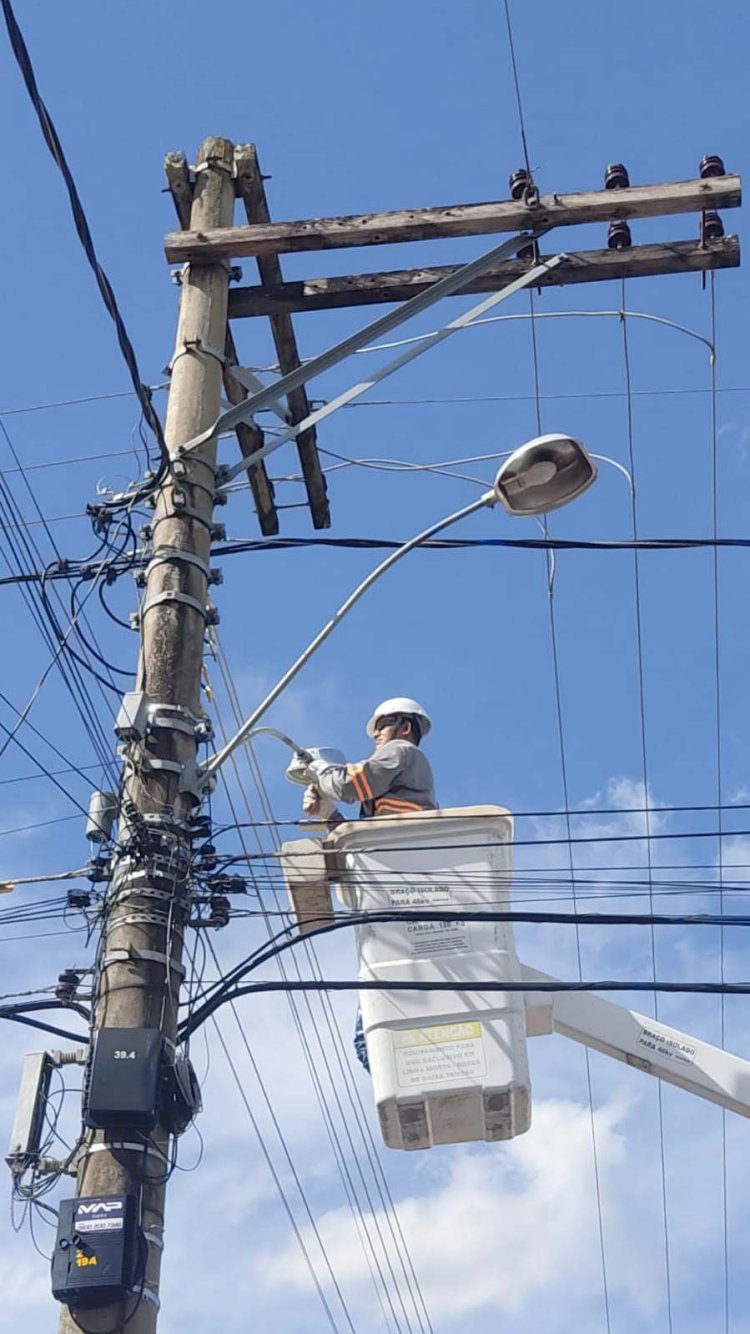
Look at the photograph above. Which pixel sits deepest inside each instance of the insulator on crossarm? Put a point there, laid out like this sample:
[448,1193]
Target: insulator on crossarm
[618,236]
[711,165]
[616,177]
[712,227]
[220,911]
[519,183]
[67,985]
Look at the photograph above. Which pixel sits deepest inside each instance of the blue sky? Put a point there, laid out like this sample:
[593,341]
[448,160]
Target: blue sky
[358,108]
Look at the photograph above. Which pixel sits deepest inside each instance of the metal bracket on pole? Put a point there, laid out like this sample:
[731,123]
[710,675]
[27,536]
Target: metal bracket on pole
[252,382]
[447,286]
[431,340]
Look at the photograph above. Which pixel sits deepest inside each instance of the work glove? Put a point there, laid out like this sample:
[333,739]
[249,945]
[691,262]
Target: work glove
[317,805]
[315,769]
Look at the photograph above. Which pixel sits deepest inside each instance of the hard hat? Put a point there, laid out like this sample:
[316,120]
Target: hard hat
[401,704]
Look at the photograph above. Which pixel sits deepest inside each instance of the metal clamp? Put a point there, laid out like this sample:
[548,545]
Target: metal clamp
[155,872]
[135,955]
[172,595]
[126,1146]
[183,512]
[213,164]
[146,919]
[165,895]
[170,766]
[195,346]
[174,718]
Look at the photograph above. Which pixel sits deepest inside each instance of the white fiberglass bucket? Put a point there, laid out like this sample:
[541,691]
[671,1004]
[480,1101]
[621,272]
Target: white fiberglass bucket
[447,1066]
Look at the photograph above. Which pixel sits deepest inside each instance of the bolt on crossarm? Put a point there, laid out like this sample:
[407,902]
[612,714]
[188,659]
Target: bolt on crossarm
[140,972]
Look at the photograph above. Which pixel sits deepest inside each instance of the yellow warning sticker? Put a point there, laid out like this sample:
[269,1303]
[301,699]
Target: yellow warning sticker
[424,1037]
[440,1054]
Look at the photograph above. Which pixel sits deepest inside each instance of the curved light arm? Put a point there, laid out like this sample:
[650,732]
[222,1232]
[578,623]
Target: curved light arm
[216,761]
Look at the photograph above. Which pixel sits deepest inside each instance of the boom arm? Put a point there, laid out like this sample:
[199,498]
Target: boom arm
[638,1040]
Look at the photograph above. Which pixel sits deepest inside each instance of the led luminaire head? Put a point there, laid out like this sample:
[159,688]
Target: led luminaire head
[544,474]
[296,772]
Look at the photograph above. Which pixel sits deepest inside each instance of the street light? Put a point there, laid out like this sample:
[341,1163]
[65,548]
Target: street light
[544,474]
[541,475]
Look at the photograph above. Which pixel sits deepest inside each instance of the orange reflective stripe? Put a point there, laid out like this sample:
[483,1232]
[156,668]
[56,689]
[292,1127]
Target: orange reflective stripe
[394,805]
[355,774]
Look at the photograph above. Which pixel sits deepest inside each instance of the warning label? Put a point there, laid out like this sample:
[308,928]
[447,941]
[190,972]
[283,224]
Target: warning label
[439,1054]
[663,1045]
[423,939]
[420,896]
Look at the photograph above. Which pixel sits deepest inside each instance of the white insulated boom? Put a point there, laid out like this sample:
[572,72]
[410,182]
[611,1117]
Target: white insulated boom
[637,1040]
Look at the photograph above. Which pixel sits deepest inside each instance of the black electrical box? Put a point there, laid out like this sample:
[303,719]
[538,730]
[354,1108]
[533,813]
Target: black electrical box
[123,1085]
[97,1257]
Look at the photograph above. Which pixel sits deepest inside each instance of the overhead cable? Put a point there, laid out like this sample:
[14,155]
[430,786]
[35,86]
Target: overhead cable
[142,391]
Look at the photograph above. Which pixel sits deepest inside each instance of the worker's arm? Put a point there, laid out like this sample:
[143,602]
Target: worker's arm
[361,782]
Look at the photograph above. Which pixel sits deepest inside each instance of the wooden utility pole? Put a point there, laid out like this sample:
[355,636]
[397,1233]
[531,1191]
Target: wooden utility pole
[140,973]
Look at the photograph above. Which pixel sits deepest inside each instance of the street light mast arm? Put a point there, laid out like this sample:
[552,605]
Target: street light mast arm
[215,763]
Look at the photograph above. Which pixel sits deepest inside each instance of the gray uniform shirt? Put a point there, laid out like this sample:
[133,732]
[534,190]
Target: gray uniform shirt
[395,780]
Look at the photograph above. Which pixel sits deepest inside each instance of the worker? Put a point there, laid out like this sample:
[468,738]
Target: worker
[395,780]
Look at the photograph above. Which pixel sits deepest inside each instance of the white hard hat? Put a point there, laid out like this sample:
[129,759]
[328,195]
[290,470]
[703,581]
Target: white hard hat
[401,704]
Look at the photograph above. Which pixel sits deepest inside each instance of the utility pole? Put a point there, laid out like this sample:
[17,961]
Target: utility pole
[140,973]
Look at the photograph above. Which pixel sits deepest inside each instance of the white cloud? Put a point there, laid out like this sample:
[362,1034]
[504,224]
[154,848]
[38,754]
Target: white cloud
[505,1231]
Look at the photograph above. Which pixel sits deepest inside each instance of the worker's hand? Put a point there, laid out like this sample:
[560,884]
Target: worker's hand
[316,805]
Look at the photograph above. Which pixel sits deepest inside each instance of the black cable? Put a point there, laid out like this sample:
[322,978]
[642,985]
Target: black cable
[125,625]
[467,543]
[46,1028]
[49,132]
[47,773]
[20,546]
[228,986]
[489,985]
[241,547]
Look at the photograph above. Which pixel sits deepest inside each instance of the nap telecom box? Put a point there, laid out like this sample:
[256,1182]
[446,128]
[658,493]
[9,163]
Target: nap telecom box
[447,1066]
[96,1255]
[124,1079]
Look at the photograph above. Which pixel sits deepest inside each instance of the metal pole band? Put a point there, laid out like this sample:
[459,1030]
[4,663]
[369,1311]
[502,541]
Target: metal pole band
[162,894]
[143,956]
[147,919]
[172,595]
[185,512]
[126,1146]
[165,554]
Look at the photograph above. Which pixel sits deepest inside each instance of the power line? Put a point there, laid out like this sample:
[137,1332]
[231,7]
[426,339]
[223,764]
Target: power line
[369,1148]
[279,1186]
[142,391]
[719,772]
[644,766]
[75,402]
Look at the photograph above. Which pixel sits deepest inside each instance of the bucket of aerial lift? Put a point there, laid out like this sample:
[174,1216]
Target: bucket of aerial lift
[447,1066]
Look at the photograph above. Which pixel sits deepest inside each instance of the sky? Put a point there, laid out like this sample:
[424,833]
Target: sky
[356,108]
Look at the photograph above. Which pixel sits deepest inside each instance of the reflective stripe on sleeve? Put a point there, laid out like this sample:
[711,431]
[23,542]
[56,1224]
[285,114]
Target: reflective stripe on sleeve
[356,777]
